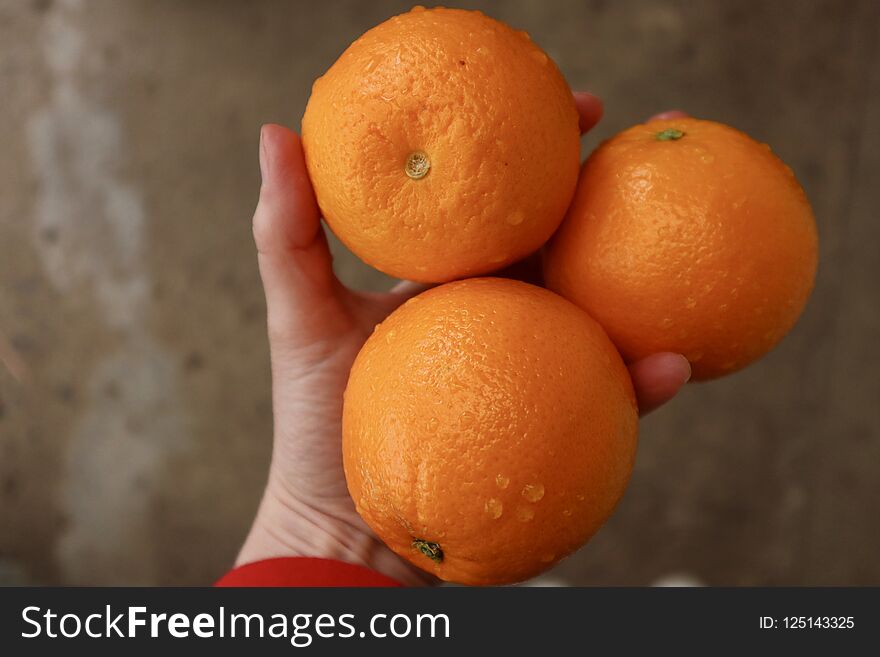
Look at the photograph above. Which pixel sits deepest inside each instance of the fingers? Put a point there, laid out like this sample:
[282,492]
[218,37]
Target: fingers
[295,262]
[589,108]
[669,114]
[657,378]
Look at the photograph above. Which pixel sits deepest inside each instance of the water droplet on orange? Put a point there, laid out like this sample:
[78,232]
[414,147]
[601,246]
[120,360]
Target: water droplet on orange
[494,508]
[533,492]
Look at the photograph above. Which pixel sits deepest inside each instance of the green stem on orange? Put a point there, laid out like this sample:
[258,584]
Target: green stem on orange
[430,550]
[670,134]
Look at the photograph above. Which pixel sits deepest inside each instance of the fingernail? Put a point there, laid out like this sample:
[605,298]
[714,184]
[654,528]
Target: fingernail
[669,114]
[264,161]
[689,368]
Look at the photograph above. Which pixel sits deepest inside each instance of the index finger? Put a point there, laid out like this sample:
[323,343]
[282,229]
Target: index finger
[657,378]
[589,109]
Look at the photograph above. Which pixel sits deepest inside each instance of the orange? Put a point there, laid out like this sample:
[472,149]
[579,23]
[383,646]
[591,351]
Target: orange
[687,236]
[442,144]
[489,429]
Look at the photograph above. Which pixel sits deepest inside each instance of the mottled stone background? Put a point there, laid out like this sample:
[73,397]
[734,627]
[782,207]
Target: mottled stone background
[134,387]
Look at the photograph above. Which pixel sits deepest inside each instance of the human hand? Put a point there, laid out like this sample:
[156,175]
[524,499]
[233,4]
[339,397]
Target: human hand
[316,327]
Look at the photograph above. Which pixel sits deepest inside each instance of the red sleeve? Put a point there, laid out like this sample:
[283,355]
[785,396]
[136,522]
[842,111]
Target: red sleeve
[303,571]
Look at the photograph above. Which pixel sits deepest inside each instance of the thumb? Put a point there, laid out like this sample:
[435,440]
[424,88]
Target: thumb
[295,261]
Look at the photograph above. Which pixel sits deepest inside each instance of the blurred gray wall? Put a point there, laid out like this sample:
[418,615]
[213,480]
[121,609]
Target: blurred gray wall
[134,387]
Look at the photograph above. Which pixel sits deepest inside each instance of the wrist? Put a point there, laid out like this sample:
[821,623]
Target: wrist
[286,527]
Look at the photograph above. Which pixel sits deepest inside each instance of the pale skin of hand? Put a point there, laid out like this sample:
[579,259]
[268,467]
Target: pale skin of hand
[316,327]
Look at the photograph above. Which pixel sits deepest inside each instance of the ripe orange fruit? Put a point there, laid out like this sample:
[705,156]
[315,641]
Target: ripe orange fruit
[489,429]
[442,144]
[687,236]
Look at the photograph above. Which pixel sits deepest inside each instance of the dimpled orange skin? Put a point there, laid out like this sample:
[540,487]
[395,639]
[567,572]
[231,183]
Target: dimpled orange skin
[493,418]
[703,245]
[488,108]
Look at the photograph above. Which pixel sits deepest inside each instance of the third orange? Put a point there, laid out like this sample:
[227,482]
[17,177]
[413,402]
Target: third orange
[688,236]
